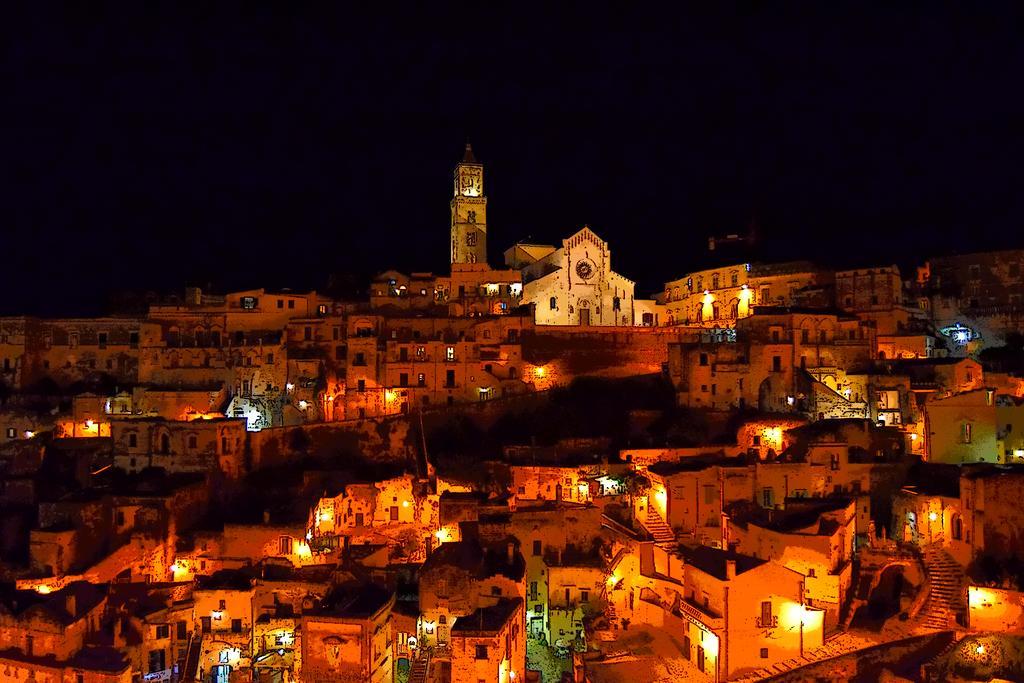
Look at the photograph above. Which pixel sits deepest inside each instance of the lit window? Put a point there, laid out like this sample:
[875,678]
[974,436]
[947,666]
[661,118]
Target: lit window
[449,353]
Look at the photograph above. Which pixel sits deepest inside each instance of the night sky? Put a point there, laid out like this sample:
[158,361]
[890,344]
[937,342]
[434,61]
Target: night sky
[245,147]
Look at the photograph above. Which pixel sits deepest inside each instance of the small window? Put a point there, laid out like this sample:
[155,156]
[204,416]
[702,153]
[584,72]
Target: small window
[703,359]
[193,441]
[553,303]
[280,303]
[449,353]
[133,440]
[249,303]
[966,432]
[236,625]
[764,653]
[163,631]
[812,572]
[481,652]
[11,432]
[536,544]
[291,303]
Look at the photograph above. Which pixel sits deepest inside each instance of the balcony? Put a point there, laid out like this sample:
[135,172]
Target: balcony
[701,614]
[769,622]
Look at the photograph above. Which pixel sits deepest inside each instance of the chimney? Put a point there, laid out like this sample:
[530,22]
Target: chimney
[70,604]
[730,570]
[266,516]
[511,552]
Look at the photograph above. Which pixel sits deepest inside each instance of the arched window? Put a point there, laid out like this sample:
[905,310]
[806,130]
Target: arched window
[957,525]
[165,444]
[553,303]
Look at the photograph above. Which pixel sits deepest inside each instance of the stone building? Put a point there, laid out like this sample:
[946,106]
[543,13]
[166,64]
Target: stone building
[718,297]
[574,284]
[815,537]
[975,426]
[68,350]
[460,577]
[777,357]
[489,644]
[469,212]
[197,445]
[869,289]
[395,365]
[52,636]
[349,636]
[975,300]
[223,615]
[768,618]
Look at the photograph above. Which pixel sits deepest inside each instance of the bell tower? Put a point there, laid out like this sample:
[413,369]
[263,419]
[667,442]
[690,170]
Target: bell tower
[469,212]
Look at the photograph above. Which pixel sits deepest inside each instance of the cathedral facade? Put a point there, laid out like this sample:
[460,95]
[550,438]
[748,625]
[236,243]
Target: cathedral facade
[574,284]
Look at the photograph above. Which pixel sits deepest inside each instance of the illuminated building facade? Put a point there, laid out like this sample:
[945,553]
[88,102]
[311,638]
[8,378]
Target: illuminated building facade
[778,353]
[718,297]
[489,644]
[574,284]
[768,618]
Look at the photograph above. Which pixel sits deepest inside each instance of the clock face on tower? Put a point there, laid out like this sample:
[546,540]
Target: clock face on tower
[585,269]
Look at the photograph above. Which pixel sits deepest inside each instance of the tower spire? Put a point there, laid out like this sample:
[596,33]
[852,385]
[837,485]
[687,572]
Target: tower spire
[468,157]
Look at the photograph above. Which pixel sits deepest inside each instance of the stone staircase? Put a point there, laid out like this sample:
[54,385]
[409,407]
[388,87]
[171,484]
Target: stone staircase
[420,668]
[661,531]
[947,589]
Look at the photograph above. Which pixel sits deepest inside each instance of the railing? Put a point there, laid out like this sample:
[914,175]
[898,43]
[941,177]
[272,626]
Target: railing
[769,622]
[698,613]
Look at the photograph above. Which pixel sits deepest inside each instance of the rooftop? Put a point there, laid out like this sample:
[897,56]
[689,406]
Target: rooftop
[56,605]
[802,515]
[487,620]
[354,601]
[226,579]
[713,561]
[695,464]
[480,561]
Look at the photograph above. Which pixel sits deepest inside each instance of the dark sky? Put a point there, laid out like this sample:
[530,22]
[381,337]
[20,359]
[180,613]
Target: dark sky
[247,147]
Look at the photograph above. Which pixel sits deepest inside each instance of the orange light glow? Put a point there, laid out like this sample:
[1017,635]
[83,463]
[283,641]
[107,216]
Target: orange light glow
[43,589]
[192,415]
